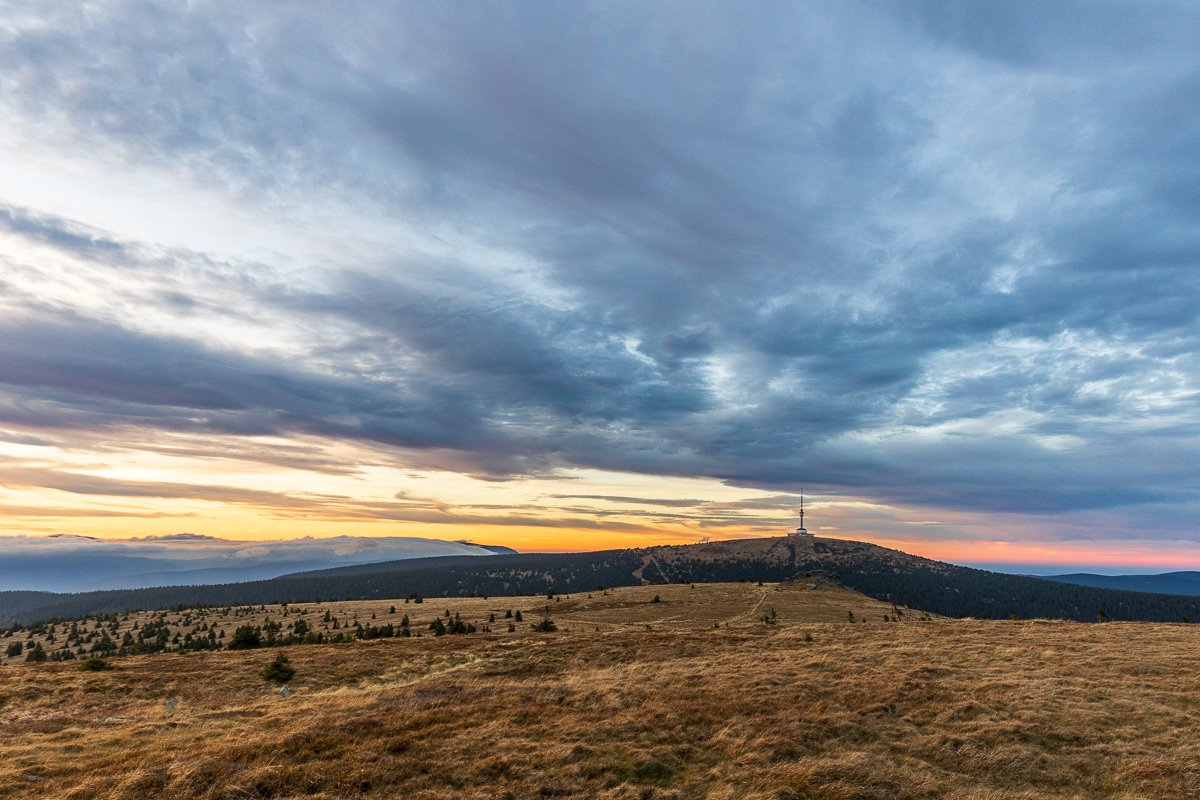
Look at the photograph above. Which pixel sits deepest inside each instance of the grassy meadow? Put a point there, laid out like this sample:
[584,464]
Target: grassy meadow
[621,608]
[694,696]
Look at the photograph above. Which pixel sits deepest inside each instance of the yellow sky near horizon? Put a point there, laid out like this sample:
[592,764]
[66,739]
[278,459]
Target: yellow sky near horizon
[277,489]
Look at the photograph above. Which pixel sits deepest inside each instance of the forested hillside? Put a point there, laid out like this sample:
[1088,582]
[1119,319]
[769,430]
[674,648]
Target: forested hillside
[1166,583]
[876,571]
[17,605]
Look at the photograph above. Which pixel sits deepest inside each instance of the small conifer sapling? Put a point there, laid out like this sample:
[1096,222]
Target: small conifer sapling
[280,670]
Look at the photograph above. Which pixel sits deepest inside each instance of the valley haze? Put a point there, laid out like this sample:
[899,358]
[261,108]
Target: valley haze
[79,564]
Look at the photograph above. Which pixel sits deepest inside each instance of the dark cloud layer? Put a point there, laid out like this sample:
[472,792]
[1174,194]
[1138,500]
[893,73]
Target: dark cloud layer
[932,253]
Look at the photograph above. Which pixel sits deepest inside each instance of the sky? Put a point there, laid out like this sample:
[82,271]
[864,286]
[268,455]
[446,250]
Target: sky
[570,276]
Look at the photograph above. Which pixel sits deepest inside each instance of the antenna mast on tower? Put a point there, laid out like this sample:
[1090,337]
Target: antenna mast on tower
[801,531]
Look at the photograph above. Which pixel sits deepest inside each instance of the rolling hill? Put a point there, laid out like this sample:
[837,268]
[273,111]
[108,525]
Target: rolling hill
[677,606]
[1166,583]
[876,571]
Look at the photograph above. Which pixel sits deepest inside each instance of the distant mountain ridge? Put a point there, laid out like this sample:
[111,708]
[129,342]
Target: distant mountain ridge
[1185,582]
[498,549]
[205,576]
[916,582]
[70,563]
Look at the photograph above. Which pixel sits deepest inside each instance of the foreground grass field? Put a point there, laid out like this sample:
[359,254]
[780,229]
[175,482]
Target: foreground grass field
[801,709]
[622,608]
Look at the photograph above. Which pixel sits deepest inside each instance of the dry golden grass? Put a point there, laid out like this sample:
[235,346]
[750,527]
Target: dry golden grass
[918,709]
[623,608]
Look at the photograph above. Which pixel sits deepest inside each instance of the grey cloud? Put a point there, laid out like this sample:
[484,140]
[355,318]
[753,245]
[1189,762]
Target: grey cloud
[630,500]
[747,254]
[23,512]
[52,231]
[1066,34]
[287,505]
